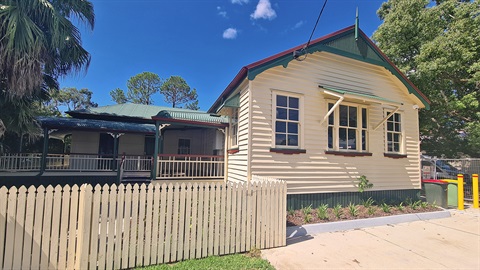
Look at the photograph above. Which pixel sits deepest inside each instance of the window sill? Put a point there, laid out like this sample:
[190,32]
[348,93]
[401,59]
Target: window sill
[348,154]
[393,155]
[288,151]
[233,150]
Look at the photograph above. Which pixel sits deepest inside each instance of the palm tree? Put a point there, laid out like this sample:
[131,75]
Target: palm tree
[38,44]
[37,38]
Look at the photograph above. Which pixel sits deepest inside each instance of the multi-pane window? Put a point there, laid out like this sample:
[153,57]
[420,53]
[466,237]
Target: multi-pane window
[347,128]
[394,133]
[183,146]
[234,128]
[287,121]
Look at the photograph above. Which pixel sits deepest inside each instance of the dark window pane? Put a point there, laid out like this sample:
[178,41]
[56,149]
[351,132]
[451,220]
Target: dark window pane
[330,137]
[364,140]
[352,117]
[397,127]
[281,127]
[293,140]
[343,115]
[396,147]
[389,126]
[280,139]
[390,118]
[397,117]
[281,113]
[293,115]
[293,102]
[293,128]
[342,136]
[331,118]
[364,118]
[389,137]
[396,138]
[389,147]
[352,139]
[281,101]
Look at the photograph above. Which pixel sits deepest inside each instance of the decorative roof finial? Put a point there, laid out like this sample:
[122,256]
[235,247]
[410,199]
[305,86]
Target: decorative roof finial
[357,23]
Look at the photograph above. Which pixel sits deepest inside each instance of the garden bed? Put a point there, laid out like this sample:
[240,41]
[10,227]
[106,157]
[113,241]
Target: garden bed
[323,213]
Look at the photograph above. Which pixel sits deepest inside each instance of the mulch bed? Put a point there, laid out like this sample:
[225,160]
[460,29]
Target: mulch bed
[303,216]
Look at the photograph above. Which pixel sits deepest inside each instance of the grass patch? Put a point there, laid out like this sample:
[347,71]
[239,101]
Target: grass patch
[229,262]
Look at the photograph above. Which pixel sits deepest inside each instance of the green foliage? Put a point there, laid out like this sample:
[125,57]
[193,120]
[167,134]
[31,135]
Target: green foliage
[363,183]
[38,44]
[70,97]
[400,207]
[177,92]
[307,210]
[371,210]
[337,211]
[307,218]
[227,262]
[353,209]
[369,202]
[322,211]
[437,45]
[385,207]
[291,211]
[142,87]
[118,96]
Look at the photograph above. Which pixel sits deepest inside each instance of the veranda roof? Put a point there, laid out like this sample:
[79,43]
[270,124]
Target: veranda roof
[66,123]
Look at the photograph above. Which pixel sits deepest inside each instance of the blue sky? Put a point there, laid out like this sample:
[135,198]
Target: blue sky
[204,41]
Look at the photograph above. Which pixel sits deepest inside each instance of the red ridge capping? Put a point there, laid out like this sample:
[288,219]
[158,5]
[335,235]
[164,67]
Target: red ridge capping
[434,181]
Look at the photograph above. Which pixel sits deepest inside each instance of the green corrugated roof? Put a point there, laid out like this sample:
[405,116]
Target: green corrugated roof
[146,112]
[128,110]
[360,94]
[93,124]
[189,115]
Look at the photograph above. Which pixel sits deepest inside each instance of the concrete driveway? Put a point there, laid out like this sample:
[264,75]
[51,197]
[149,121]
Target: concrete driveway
[446,243]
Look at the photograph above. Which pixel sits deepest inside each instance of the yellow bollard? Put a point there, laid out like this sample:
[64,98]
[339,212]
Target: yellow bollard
[460,191]
[475,190]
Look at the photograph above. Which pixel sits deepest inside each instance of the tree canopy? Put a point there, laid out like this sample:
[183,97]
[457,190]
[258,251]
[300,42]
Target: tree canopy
[177,92]
[437,45]
[141,88]
[38,44]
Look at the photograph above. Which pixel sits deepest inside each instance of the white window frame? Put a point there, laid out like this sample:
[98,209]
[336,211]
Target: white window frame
[358,130]
[233,132]
[401,133]
[300,144]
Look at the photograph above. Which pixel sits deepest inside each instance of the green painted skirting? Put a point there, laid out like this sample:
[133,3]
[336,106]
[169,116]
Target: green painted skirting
[297,201]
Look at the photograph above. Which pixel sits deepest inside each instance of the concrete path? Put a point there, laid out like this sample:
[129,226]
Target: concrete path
[446,243]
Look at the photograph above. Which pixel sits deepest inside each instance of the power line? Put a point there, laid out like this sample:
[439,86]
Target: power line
[303,51]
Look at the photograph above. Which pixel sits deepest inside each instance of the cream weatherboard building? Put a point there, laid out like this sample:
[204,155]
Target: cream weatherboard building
[322,116]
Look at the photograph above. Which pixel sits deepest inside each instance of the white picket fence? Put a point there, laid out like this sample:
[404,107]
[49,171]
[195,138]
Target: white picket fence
[122,227]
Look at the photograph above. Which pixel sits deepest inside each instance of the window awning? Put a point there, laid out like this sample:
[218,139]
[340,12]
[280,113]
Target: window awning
[358,95]
[232,102]
[341,94]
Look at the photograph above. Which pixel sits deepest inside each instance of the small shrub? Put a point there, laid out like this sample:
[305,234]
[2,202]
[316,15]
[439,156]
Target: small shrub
[414,205]
[364,183]
[369,202]
[385,207]
[322,211]
[371,210]
[337,210]
[353,209]
[307,218]
[307,210]
[291,212]
[424,205]
[400,207]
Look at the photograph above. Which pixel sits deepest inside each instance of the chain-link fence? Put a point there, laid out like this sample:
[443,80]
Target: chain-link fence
[440,168]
